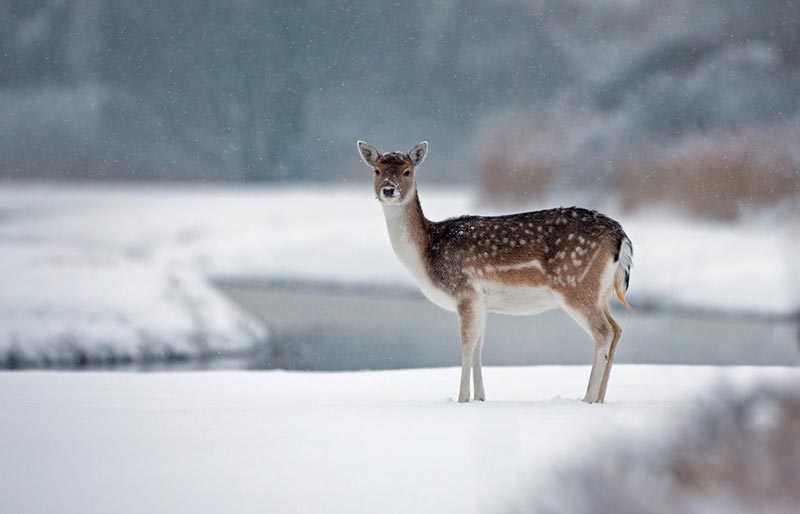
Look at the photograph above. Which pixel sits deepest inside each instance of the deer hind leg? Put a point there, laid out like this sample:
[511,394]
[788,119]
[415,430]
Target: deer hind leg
[477,372]
[594,322]
[603,334]
[612,350]
[472,317]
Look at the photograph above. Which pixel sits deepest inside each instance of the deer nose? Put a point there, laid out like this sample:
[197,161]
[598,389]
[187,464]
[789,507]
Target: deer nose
[388,192]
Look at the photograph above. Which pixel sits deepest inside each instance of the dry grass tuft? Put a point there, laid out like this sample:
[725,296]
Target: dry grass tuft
[737,452]
[521,159]
[716,176]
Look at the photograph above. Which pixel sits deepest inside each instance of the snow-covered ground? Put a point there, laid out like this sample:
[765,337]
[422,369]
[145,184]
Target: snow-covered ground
[389,441]
[122,271]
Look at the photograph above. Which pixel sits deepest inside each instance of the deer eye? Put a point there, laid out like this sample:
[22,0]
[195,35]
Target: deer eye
[407,173]
[377,172]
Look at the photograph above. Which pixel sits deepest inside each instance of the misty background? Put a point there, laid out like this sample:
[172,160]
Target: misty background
[521,95]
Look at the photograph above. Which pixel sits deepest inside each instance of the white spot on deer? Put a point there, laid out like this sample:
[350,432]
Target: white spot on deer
[549,230]
[576,262]
[505,240]
[522,241]
[581,240]
[513,243]
[574,214]
[570,237]
[522,265]
[593,244]
[588,266]
[558,241]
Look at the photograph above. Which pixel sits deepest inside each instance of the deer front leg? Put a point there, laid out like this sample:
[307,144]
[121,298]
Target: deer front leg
[477,372]
[472,318]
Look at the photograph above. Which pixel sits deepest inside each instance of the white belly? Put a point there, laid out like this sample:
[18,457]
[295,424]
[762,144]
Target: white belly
[436,295]
[519,301]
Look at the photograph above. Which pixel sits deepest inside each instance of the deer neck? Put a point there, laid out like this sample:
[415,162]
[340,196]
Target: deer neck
[408,232]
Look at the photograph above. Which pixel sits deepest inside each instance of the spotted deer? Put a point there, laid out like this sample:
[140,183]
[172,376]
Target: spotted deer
[519,264]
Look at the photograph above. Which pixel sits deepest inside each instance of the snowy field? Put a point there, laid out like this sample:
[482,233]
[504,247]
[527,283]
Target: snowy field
[356,442]
[120,273]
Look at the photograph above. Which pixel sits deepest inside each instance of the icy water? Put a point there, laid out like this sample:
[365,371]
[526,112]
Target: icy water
[328,327]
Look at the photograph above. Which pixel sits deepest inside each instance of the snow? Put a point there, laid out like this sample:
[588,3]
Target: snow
[291,442]
[746,267]
[123,270]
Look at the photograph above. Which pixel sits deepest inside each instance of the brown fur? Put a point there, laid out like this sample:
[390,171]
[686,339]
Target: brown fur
[463,250]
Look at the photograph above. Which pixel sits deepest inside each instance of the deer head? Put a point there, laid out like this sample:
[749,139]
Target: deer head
[394,172]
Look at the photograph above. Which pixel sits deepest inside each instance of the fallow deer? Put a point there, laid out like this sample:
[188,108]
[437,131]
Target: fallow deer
[520,264]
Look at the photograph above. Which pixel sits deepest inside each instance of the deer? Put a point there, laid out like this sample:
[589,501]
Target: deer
[517,264]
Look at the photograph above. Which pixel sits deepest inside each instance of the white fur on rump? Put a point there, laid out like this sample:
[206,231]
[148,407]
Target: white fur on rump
[625,261]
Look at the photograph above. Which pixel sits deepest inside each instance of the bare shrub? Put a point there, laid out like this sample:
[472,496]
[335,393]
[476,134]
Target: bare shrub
[737,452]
[716,175]
[519,160]
[523,156]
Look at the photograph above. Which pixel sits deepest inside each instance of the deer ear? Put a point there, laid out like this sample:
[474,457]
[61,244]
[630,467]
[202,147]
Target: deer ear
[418,153]
[368,152]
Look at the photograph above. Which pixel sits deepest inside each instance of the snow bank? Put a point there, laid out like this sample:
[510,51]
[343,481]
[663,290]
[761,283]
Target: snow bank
[99,276]
[361,442]
[120,272]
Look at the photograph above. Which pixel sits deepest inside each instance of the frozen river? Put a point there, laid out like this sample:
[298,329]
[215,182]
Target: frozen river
[326,327]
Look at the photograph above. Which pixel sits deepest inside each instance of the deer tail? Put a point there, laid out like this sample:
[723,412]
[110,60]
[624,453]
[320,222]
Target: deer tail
[622,277]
